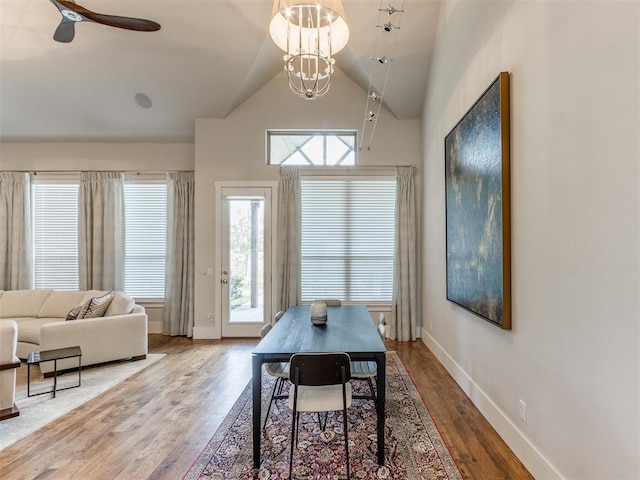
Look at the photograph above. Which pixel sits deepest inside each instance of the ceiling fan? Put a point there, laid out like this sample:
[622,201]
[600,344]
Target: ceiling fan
[73,13]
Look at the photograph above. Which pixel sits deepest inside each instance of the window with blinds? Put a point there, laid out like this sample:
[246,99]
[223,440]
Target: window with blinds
[146,237]
[347,239]
[55,233]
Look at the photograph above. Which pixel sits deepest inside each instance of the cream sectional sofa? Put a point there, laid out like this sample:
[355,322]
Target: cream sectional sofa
[41,317]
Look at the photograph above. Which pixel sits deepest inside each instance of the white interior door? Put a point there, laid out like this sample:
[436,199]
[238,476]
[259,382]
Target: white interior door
[245,273]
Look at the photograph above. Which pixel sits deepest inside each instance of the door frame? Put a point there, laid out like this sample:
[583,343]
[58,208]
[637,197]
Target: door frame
[270,275]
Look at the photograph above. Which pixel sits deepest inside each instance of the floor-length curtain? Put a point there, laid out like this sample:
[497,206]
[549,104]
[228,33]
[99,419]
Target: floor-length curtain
[288,237]
[178,303]
[406,302]
[16,259]
[101,231]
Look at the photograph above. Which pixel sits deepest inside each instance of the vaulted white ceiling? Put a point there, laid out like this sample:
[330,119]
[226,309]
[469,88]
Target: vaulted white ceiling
[208,58]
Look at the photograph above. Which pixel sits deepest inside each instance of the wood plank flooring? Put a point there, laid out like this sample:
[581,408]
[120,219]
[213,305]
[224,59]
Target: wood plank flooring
[475,446]
[154,424]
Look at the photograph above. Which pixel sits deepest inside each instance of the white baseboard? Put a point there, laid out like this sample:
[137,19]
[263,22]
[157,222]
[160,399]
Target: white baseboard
[205,333]
[528,454]
[199,333]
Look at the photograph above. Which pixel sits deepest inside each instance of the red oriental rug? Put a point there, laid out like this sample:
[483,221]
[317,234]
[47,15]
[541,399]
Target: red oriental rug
[414,449]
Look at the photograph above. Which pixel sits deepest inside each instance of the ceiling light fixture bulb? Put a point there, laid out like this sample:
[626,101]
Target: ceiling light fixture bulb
[382,60]
[371,116]
[390,10]
[375,96]
[388,27]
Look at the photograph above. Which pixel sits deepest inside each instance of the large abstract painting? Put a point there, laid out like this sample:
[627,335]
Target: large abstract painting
[478,209]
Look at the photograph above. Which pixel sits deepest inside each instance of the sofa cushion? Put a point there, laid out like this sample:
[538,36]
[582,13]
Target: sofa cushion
[120,305]
[29,329]
[96,306]
[22,303]
[59,303]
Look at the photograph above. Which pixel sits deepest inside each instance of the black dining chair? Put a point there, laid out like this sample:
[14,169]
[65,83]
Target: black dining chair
[279,370]
[320,384]
[367,370]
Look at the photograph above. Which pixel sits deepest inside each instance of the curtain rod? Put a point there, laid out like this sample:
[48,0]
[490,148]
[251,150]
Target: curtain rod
[303,167]
[137,172]
[350,167]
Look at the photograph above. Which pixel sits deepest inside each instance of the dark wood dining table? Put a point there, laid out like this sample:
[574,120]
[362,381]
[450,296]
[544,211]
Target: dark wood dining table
[349,329]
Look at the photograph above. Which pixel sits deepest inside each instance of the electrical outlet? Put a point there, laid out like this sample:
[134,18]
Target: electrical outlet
[523,410]
[430,324]
[209,317]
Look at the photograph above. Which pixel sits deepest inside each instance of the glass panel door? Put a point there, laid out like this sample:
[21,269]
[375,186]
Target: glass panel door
[246,261]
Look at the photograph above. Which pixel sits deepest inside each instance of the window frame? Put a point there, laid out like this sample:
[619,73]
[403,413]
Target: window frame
[313,133]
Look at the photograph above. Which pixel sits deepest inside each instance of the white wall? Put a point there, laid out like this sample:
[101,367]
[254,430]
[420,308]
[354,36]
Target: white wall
[573,353]
[233,149]
[96,156]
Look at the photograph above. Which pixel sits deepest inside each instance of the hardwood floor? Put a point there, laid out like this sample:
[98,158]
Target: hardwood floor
[475,446]
[154,424]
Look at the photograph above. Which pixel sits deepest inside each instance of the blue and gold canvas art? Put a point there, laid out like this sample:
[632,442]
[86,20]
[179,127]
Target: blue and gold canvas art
[477,188]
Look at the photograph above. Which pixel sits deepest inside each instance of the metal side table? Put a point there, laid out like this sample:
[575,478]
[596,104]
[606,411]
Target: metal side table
[53,356]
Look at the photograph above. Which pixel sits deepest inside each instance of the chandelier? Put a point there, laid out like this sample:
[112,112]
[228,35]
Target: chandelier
[310,32]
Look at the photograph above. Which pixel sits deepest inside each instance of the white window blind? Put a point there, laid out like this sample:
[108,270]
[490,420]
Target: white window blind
[55,234]
[146,237]
[347,239]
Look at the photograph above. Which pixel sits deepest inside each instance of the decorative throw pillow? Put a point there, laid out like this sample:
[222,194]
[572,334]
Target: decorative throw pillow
[121,304]
[96,307]
[75,311]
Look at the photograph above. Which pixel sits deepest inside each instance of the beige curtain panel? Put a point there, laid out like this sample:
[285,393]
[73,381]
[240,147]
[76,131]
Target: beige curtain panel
[288,237]
[406,284]
[16,259]
[101,231]
[179,291]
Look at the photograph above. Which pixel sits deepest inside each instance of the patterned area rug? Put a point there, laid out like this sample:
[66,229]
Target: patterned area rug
[414,449]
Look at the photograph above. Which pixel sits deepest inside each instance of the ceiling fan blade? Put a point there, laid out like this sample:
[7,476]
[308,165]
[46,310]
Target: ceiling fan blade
[65,31]
[128,23]
[77,13]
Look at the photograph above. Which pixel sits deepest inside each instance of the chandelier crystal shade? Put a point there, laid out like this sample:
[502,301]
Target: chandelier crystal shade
[310,33]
